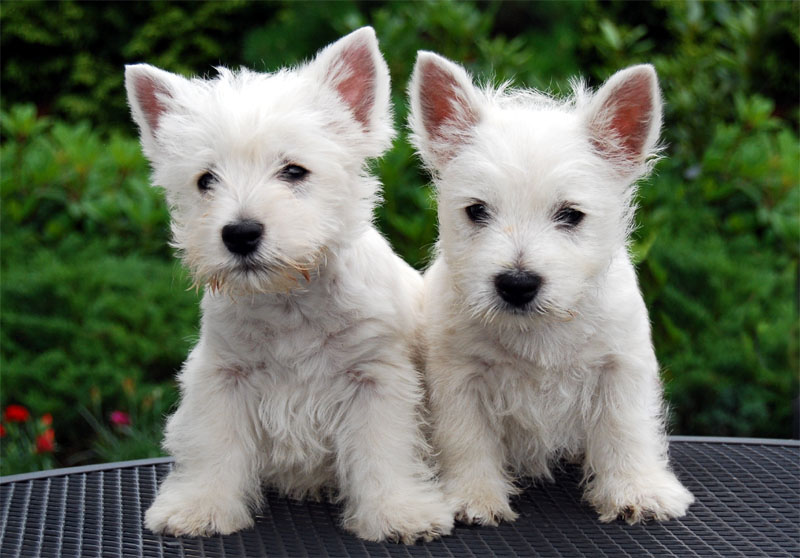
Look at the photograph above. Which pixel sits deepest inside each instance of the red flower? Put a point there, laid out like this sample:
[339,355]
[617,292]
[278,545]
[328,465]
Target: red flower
[120,418]
[16,413]
[45,442]
[47,419]
[2,431]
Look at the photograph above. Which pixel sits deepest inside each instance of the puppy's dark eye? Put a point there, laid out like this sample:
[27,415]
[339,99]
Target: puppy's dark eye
[568,217]
[293,173]
[477,213]
[205,181]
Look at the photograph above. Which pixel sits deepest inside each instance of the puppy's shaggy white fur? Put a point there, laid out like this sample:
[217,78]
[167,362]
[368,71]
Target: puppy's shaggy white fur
[538,340]
[303,376]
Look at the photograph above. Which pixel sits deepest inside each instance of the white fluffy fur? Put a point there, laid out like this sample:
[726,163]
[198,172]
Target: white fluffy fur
[573,374]
[303,376]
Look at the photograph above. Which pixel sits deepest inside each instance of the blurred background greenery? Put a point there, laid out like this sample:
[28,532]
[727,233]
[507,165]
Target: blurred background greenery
[96,318]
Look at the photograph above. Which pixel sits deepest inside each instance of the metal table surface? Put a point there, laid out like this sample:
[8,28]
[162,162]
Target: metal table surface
[748,504]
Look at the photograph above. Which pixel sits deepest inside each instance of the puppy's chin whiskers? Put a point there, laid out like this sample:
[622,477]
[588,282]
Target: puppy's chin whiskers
[281,275]
[303,268]
[524,320]
[548,309]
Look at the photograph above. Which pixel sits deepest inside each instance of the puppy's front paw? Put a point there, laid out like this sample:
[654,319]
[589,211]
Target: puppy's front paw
[484,508]
[660,496]
[190,512]
[403,519]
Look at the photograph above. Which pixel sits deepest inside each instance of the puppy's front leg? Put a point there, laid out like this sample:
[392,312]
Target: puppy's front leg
[626,454]
[388,490]
[213,438]
[470,448]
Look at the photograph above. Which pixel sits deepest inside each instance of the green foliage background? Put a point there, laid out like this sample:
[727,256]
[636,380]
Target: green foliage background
[95,313]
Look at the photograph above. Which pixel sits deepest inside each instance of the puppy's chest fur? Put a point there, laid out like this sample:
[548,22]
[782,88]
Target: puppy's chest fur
[302,360]
[294,343]
[541,406]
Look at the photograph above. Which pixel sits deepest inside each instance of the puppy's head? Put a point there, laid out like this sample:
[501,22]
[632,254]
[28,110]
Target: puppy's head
[265,173]
[535,194]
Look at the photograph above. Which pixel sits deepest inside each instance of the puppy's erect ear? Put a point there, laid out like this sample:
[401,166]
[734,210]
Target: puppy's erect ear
[354,67]
[445,107]
[150,93]
[625,117]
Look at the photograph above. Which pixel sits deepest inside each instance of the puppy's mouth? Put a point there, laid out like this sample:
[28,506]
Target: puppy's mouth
[252,275]
[541,310]
[251,266]
[538,308]
[255,268]
[525,310]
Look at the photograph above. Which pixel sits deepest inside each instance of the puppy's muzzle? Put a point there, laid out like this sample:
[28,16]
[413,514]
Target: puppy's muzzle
[243,237]
[517,287]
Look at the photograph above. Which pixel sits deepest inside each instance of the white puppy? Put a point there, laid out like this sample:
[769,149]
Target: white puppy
[538,339]
[303,376]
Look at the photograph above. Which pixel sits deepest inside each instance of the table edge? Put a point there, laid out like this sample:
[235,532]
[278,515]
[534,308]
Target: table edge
[159,460]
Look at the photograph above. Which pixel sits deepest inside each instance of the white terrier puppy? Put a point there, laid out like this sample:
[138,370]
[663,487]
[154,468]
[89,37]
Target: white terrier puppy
[303,376]
[538,340]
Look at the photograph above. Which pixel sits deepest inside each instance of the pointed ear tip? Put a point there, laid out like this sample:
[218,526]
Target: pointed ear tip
[366,30]
[141,66]
[647,70]
[650,70]
[635,77]
[133,74]
[366,34]
[363,30]
[428,57]
[133,69]
[426,60]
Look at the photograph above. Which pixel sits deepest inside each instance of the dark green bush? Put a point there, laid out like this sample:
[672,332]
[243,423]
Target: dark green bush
[90,294]
[93,301]
[720,277]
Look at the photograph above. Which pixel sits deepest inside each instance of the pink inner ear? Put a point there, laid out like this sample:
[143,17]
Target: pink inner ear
[438,98]
[147,91]
[357,88]
[631,110]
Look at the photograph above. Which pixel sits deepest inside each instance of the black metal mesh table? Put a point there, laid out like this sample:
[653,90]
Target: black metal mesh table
[748,504]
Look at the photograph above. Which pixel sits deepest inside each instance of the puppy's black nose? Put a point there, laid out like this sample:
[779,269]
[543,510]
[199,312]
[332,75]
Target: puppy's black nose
[243,237]
[517,288]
